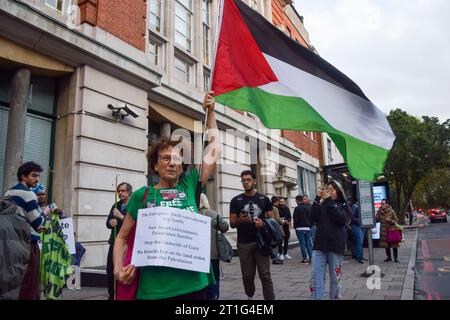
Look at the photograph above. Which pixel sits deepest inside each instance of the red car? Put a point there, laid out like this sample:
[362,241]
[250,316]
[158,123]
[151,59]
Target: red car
[437,215]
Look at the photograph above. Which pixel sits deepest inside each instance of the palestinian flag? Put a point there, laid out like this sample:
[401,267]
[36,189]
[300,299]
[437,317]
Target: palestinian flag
[260,70]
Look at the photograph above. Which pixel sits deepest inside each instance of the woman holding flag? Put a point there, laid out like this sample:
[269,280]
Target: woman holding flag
[165,158]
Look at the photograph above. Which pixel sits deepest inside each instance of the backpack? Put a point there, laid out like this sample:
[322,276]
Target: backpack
[15,248]
[224,248]
[269,237]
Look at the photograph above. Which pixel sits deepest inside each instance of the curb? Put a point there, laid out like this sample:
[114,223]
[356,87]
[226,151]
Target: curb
[408,284]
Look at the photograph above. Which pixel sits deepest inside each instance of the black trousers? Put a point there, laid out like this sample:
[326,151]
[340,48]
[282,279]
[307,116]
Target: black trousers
[283,248]
[110,272]
[388,252]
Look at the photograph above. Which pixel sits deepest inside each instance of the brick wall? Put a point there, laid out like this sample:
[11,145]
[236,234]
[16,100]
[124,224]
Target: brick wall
[305,143]
[88,11]
[280,18]
[126,19]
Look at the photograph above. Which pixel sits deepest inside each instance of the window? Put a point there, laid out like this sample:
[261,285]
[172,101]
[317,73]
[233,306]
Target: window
[155,15]
[312,136]
[301,182]
[39,124]
[330,155]
[250,115]
[307,183]
[206,11]
[182,70]
[206,30]
[206,79]
[154,52]
[205,44]
[183,22]
[55,4]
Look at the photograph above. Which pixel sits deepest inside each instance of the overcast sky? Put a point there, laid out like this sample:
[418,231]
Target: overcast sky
[397,51]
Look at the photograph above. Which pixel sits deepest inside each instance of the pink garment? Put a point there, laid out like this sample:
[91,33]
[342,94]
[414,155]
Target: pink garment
[128,291]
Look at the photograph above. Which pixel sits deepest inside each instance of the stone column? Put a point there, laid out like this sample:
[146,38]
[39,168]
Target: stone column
[16,125]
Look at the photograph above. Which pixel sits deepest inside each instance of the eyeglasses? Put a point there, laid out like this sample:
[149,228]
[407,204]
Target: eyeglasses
[246,180]
[166,159]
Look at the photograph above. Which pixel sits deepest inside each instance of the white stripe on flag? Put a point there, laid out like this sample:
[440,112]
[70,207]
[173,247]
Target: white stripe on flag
[342,109]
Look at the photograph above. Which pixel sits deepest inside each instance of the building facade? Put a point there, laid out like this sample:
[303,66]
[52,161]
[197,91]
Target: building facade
[287,19]
[65,64]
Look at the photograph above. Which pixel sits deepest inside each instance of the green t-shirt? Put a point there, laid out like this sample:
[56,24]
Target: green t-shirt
[165,282]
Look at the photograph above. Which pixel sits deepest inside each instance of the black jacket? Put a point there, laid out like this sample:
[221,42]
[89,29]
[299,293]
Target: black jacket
[15,246]
[119,222]
[286,214]
[302,216]
[331,218]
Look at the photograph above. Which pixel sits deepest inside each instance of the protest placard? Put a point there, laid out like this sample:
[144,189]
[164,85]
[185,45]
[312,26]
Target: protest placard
[172,237]
[68,235]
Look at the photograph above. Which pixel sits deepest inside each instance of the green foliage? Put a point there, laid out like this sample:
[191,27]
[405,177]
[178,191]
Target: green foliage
[433,191]
[421,146]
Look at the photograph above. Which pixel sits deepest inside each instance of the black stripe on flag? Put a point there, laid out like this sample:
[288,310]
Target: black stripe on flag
[275,43]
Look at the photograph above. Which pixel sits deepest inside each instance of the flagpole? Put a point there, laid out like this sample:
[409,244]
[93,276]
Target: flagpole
[216,41]
[115,235]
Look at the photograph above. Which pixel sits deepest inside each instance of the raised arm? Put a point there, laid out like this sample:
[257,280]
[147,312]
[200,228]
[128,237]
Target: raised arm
[214,148]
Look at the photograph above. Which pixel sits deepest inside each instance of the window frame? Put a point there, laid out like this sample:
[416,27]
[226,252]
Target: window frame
[206,30]
[161,43]
[62,2]
[330,150]
[161,17]
[206,73]
[191,26]
[185,58]
[157,55]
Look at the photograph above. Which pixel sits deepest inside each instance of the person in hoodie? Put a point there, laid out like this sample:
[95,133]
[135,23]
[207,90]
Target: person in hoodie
[330,211]
[302,226]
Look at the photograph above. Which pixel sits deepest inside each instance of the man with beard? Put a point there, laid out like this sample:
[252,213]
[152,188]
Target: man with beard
[28,176]
[246,213]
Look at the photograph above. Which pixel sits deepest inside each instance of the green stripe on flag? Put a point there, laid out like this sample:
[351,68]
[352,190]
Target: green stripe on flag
[365,160]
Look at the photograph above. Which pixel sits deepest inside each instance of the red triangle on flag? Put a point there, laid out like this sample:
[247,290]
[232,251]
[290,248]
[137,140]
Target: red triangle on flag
[239,60]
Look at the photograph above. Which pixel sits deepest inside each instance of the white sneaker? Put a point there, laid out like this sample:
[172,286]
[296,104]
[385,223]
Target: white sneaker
[281,257]
[287,256]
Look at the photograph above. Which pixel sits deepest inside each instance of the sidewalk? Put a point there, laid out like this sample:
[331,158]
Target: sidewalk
[291,280]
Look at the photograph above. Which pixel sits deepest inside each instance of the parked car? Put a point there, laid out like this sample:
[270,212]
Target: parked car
[437,215]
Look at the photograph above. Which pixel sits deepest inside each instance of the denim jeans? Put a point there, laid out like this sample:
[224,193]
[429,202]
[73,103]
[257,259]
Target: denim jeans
[304,238]
[312,233]
[320,260]
[213,290]
[358,236]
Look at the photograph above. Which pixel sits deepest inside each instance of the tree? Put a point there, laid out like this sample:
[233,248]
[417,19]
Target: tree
[433,191]
[421,146]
